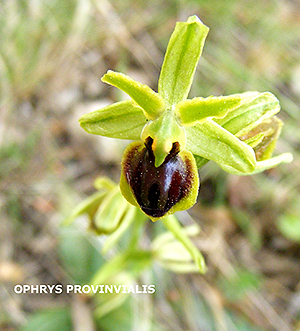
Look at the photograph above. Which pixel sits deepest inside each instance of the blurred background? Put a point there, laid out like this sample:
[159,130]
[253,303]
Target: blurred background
[52,56]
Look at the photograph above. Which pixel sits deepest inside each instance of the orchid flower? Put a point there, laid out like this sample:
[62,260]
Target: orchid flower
[174,136]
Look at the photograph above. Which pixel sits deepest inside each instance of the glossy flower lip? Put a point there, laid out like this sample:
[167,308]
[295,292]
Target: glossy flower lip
[158,191]
[239,131]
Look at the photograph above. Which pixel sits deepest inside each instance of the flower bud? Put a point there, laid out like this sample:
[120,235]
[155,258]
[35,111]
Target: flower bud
[161,190]
[263,137]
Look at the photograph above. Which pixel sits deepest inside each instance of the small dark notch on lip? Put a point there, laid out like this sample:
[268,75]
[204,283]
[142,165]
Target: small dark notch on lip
[174,151]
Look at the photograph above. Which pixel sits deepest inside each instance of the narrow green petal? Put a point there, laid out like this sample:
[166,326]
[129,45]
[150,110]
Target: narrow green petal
[123,120]
[255,140]
[198,109]
[273,162]
[262,165]
[211,141]
[150,101]
[182,55]
[255,108]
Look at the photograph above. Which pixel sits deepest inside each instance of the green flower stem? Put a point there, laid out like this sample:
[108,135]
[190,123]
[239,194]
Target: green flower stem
[172,224]
[143,95]
[139,223]
[113,238]
[112,267]
[181,59]
[131,256]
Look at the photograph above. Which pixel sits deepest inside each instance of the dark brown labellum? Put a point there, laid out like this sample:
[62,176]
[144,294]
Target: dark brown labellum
[156,190]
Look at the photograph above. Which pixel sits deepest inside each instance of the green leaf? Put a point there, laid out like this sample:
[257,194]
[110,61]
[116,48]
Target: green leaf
[198,109]
[255,108]
[245,222]
[80,255]
[211,141]
[182,55]
[134,261]
[241,283]
[123,120]
[114,266]
[150,101]
[111,301]
[56,319]
[289,226]
[121,318]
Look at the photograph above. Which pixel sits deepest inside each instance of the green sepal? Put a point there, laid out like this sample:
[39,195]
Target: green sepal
[150,101]
[122,120]
[182,55]
[104,304]
[254,109]
[211,141]
[199,109]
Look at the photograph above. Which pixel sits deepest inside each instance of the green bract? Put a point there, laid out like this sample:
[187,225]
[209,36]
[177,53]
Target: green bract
[239,132]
